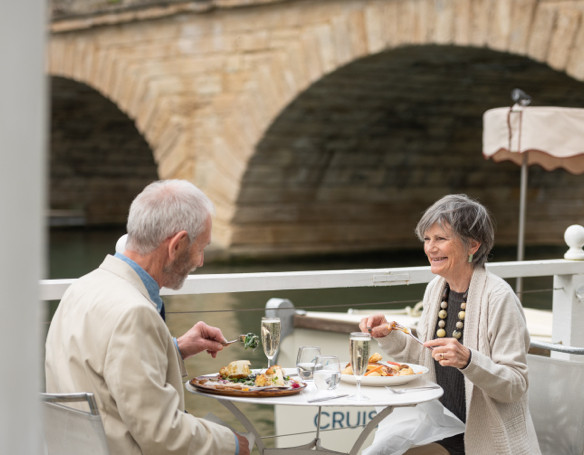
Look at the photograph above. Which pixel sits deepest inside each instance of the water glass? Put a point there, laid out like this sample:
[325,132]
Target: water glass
[327,372]
[306,361]
[359,353]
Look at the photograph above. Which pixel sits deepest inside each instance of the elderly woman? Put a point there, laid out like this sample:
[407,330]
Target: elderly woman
[476,327]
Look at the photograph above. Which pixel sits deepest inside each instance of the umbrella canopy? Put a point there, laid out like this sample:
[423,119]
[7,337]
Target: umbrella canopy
[552,137]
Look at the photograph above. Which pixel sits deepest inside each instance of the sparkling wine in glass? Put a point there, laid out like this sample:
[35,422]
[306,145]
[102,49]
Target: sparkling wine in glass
[327,373]
[270,337]
[306,361]
[359,353]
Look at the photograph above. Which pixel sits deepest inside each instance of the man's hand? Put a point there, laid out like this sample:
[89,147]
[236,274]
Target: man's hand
[243,445]
[201,337]
[376,325]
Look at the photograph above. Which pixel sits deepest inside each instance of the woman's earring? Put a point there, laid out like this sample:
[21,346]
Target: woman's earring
[470,256]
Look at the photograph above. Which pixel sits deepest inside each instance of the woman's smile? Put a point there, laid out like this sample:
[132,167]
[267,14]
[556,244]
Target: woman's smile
[448,256]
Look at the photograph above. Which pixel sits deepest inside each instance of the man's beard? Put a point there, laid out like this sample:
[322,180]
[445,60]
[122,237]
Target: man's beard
[177,271]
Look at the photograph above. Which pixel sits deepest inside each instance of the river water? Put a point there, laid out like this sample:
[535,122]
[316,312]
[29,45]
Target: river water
[72,253]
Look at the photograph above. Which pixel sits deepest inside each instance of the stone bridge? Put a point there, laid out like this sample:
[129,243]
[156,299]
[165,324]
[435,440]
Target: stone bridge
[314,126]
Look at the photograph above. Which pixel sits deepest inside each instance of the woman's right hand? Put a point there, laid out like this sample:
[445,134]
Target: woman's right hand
[376,325]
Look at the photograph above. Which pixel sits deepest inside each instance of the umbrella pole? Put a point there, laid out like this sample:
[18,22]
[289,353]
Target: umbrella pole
[521,239]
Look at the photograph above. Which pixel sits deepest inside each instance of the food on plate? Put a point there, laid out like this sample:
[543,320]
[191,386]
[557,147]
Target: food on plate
[236,370]
[238,376]
[377,368]
[251,341]
[273,376]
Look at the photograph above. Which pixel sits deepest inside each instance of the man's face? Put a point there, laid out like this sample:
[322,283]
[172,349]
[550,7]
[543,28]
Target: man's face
[188,259]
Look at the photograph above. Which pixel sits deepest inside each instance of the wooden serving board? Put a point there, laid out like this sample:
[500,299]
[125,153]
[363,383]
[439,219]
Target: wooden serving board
[203,384]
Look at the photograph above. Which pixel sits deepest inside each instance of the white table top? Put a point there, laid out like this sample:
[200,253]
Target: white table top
[379,396]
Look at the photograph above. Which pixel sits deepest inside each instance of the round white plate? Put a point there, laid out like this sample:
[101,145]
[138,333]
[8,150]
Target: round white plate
[380,381]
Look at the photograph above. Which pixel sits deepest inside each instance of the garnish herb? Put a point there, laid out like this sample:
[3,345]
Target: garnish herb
[252,341]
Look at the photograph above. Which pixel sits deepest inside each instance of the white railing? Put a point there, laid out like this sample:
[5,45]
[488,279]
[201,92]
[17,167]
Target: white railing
[568,293]
[275,281]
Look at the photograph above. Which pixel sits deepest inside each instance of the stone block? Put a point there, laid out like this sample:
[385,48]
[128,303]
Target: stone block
[575,65]
[375,28]
[481,20]
[168,139]
[341,41]
[357,34]
[171,163]
[326,47]
[425,20]
[500,27]
[294,62]
[541,32]
[251,41]
[523,16]
[221,186]
[462,22]
[312,56]
[568,22]
[444,14]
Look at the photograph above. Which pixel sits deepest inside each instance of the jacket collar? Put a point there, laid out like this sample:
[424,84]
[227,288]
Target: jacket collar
[124,271]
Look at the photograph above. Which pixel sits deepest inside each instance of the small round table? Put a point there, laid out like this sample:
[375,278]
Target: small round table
[379,396]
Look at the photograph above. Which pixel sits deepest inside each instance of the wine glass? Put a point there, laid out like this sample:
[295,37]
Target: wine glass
[359,353]
[270,336]
[306,361]
[327,372]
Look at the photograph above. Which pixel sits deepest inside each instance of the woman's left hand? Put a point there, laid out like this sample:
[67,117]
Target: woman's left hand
[449,352]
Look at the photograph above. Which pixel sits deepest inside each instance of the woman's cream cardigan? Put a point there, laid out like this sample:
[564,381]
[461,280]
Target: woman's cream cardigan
[497,415]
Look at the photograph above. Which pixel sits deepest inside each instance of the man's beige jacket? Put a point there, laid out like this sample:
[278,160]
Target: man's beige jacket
[108,338]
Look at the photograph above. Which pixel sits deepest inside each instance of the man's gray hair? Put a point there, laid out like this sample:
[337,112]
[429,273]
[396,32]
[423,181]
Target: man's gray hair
[466,218]
[163,209]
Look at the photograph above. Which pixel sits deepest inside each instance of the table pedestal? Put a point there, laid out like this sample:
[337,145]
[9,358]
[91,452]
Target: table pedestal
[314,445]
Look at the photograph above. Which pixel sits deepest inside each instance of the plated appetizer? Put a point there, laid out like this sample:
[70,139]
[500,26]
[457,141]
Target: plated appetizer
[378,368]
[237,376]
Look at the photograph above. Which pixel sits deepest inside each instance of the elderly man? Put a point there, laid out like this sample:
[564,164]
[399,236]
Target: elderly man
[108,336]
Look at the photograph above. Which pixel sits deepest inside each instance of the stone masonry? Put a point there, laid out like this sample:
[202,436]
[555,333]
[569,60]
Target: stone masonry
[331,125]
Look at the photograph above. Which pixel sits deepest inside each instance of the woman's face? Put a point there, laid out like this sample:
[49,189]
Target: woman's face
[447,254]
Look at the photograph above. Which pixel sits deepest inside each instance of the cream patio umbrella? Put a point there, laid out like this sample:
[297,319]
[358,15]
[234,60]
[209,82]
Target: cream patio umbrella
[552,137]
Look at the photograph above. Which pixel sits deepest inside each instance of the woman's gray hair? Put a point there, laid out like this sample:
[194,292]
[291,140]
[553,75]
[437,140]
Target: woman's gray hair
[163,209]
[466,218]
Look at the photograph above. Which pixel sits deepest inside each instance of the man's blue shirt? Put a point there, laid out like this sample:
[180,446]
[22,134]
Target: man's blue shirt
[149,282]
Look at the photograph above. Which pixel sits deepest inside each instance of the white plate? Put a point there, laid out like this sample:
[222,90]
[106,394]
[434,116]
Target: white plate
[380,381]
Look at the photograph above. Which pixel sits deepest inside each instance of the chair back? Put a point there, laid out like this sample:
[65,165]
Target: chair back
[70,431]
[556,404]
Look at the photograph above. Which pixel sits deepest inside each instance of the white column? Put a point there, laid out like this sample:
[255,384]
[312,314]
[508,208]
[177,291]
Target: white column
[23,107]
[568,315]
[568,304]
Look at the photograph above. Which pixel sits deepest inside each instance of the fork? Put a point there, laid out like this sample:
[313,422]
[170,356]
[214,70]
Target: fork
[396,326]
[400,391]
[240,339]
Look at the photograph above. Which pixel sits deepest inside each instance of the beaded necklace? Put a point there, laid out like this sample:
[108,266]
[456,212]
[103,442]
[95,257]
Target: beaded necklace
[443,314]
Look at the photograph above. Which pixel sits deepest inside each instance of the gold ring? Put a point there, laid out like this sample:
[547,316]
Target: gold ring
[441,356]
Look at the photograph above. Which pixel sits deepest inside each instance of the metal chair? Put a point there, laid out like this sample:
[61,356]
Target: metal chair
[556,401]
[70,431]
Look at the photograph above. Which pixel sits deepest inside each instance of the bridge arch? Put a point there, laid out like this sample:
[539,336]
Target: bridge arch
[204,89]
[98,162]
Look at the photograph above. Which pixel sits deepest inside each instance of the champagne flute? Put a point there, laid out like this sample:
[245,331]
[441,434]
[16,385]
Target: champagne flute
[359,353]
[270,336]
[306,361]
[327,372]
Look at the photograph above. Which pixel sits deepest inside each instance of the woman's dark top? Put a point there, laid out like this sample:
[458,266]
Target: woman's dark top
[451,379]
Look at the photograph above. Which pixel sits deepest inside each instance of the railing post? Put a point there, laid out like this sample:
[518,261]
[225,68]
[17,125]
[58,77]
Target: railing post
[568,308]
